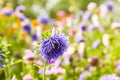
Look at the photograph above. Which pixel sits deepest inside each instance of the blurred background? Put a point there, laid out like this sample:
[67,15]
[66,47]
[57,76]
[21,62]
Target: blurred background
[50,7]
[93,28]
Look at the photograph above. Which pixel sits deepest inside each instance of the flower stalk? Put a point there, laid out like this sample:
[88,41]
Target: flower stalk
[44,69]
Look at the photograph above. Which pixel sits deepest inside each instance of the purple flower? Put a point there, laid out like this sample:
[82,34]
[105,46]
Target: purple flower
[118,68]
[1,55]
[83,75]
[67,59]
[7,11]
[86,16]
[60,78]
[27,28]
[109,5]
[35,37]
[40,71]
[0,59]
[1,65]
[21,16]
[110,77]
[53,47]
[80,14]
[43,19]
[91,27]
[95,44]
[20,8]
[82,26]
[57,63]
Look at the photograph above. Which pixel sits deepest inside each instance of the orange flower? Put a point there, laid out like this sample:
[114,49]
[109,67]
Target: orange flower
[34,23]
[43,26]
[22,34]
[10,31]
[59,18]
[97,11]
[67,15]
[18,22]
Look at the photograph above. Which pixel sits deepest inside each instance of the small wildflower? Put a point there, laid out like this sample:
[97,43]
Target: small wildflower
[1,55]
[82,26]
[29,56]
[110,77]
[61,13]
[43,19]
[27,28]
[109,5]
[35,37]
[72,32]
[95,44]
[83,75]
[91,27]
[106,40]
[20,8]
[39,62]
[21,16]
[7,11]
[118,68]
[1,65]
[60,70]
[66,59]
[60,78]
[94,61]
[27,77]
[86,16]
[91,6]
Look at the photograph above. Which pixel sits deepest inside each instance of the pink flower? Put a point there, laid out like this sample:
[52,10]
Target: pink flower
[117,63]
[72,32]
[27,77]
[60,70]
[61,14]
[39,62]
[95,61]
[29,56]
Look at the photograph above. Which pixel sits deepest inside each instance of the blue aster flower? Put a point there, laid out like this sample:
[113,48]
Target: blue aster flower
[27,28]
[53,47]
[35,37]
[43,19]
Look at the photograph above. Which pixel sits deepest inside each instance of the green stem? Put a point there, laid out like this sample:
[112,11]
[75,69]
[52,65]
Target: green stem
[6,71]
[44,68]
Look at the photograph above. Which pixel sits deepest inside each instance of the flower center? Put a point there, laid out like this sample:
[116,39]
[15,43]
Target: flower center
[55,46]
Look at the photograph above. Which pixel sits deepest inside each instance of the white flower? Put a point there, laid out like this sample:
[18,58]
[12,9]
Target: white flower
[91,6]
[105,40]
